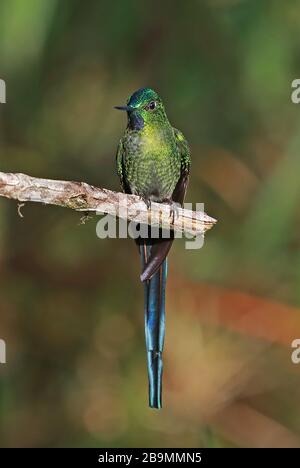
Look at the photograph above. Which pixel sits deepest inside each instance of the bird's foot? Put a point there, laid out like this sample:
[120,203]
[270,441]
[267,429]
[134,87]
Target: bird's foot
[147,202]
[174,209]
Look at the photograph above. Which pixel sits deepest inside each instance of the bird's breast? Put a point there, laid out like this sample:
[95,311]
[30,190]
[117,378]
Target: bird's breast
[152,164]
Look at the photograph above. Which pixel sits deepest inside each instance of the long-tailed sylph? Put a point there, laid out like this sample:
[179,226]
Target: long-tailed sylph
[153,161]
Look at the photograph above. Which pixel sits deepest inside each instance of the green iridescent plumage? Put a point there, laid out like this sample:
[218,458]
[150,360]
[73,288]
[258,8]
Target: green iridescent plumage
[153,161]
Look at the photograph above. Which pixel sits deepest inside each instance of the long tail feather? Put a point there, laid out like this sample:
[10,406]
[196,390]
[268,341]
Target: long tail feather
[154,309]
[159,252]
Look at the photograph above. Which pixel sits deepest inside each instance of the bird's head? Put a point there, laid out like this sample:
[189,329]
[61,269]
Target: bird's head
[144,107]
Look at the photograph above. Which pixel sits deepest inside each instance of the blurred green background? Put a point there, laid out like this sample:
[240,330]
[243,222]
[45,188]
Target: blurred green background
[71,305]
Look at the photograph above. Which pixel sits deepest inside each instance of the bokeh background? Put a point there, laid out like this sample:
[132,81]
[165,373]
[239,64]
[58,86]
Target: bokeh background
[71,305]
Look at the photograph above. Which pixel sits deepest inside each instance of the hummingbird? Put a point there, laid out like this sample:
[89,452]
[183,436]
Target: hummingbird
[153,162]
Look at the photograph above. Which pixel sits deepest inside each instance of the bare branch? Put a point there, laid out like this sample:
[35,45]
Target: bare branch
[80,196]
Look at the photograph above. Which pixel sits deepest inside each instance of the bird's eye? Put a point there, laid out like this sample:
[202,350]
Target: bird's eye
[151,105]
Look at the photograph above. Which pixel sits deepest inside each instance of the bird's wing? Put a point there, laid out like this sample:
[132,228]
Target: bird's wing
[120,167]
[185,157]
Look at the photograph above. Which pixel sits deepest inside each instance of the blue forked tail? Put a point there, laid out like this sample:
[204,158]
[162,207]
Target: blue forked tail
[154,309]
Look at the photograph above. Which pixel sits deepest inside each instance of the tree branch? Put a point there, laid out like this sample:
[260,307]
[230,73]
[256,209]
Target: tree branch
[80,196]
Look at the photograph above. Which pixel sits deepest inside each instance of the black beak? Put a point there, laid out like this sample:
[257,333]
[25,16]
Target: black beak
[125,108]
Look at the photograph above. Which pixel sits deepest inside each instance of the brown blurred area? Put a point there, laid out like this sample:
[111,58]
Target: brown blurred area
[71,305]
